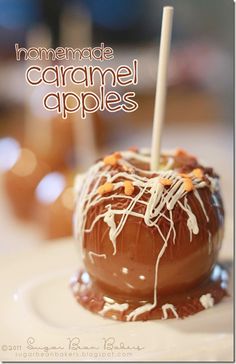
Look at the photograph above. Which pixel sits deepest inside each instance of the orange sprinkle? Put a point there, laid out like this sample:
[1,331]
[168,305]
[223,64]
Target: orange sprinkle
[117,155]
[188,184]
[183,153]
[129,188]
[106,188]
[165,181]
[198,173]
[180,152]
[112,159]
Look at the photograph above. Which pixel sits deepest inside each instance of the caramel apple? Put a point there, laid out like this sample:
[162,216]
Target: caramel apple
[55,204]
[149,239]
[32,163]
[58,151]
[21,180]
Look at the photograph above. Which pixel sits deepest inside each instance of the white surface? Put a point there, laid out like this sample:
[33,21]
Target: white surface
[36,302]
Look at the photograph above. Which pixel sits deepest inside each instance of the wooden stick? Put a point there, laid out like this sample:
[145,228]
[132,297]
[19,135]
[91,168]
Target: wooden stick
[161,85]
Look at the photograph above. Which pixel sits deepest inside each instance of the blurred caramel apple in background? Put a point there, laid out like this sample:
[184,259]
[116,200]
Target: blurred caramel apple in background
[55,149]
[21,180]
[54,204]
[34,161]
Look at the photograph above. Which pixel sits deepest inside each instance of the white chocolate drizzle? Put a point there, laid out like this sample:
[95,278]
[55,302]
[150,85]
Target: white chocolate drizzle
[110,221]
[138,311]
[165,308]
[207,301]
[124,270]
[159,205]
[113,306]
[92,254]
[108,299]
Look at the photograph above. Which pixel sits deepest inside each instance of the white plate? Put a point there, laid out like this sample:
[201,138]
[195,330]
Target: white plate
[36,303]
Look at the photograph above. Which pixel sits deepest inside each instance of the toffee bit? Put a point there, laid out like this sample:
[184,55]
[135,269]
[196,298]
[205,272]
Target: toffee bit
[198,173]
[180,153]
[128,188]
[166,181]
[112,159]
[188,184]
[106,188]
[117,155]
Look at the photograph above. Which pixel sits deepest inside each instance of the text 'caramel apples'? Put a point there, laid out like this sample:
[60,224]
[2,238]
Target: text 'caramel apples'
[150,239]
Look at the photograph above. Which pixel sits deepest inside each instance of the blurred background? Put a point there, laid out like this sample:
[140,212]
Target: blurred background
[40,153]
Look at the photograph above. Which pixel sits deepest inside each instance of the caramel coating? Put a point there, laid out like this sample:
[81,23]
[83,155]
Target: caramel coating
[130,273]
